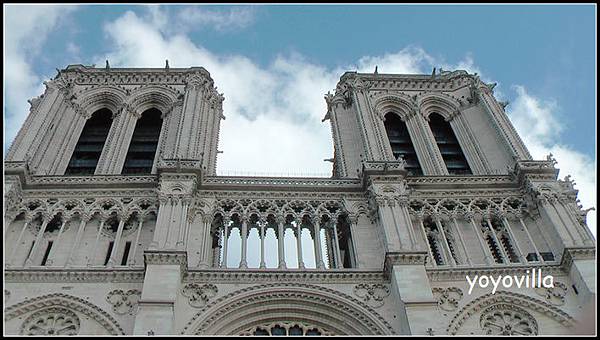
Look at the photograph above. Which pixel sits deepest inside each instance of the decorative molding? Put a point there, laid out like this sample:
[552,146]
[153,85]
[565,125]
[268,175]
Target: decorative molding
[341,302]
[506,319]
[124,302]
[199,295]
[284,275]
[513,299]
[372,294]
[51,321]
[69,302]
[129,275]
[555,295]
[448,298]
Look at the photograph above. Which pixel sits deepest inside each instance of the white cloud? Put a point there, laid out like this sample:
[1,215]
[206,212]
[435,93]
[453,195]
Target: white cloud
[535,121]
[191,18]
[26,28]
[409,60]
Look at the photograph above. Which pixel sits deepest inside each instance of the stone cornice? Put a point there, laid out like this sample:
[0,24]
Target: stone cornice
[447,81]
[96,181]
[280,183]
[46,275]
[86,75]
[580,253]
[167,257]
[403,258]
[287,275]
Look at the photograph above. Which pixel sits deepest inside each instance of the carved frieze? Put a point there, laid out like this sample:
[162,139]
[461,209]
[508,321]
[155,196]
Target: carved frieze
[199,295]
[124,302]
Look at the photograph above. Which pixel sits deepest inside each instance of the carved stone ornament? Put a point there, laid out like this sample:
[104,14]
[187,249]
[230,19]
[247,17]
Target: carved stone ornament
[448,298]
[505,319]
[372,294]
[124,302]
[51,321]
[555,295]
[198,295]
[286,328]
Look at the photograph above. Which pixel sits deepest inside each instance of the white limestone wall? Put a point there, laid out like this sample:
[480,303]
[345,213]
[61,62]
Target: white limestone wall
[93,294]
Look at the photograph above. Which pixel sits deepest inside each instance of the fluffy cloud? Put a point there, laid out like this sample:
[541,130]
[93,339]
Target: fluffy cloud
[26,29]
[536,123]
[273,112]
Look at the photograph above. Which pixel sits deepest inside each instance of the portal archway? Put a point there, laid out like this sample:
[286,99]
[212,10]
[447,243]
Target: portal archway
[307,306]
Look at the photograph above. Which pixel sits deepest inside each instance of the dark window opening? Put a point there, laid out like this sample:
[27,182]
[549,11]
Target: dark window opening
[30,250]
[54,224]
[532,257]
[110,247]
[401,143]
[125,253]
[91,142]
[345,239]
[453,156]
[47,253]
[144,142]
[430,230]
[547,256]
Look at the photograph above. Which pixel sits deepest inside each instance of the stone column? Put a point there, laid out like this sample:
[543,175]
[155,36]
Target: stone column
[17,244]
[262,223]
[424,234]
[243,261]
[92,257]
[317,240]
[280,241]
[462,239]
[445,240]
[530,239]
[84,219]
[46,218]
[133,262]
[115,248]
[226,221]
[52,255]
[486,250]
[520,254]
[336,246]
[299,242]
[505,257]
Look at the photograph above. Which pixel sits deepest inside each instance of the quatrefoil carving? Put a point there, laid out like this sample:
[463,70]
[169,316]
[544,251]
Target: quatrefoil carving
[448,298]
[124,302]
[372,294]
[198,295]
[555,295]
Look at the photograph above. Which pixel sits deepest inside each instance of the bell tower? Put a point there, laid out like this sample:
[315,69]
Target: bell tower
[443,124]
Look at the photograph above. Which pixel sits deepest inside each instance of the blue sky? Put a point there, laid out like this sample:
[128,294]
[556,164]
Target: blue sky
[274,63]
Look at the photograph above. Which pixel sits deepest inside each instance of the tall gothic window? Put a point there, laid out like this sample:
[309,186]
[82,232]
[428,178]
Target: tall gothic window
[455,160]
[401,143]
[142,149]
[91,142]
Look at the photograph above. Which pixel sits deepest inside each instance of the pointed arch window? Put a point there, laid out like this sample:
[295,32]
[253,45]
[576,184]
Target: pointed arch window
[144,142]
[91,142]
[401,143]
[453,156]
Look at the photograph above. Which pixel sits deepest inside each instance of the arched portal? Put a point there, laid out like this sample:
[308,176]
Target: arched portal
[288,308]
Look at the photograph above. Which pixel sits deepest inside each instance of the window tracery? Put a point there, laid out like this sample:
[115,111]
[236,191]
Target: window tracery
[502,319]
[285,328]
[51,321]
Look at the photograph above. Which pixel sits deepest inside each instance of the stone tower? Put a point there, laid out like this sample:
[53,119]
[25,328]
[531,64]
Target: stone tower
[116,222]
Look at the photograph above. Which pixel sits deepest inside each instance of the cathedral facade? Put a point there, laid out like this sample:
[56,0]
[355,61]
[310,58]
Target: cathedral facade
[117,223]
